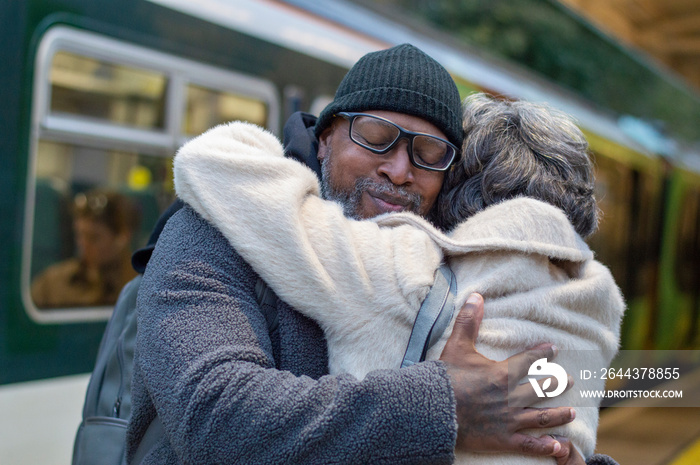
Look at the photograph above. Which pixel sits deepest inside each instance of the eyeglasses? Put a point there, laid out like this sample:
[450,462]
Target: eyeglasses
[379,135]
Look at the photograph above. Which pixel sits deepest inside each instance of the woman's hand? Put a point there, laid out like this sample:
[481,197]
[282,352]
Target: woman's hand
[568,454]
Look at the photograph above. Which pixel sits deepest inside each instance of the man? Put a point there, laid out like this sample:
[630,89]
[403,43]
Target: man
[228,391]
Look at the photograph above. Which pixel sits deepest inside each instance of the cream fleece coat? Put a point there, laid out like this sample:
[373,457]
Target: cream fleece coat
[364,281]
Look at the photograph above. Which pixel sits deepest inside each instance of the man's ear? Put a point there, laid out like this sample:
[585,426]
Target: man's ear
[324,143]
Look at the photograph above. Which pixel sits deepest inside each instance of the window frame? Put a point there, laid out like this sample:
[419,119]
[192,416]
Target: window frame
[179,72]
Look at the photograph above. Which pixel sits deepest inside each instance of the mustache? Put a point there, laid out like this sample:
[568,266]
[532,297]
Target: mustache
[350,199]
[412,200]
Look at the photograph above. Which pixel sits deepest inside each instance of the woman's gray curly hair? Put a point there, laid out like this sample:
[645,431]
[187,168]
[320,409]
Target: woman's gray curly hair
[517,148]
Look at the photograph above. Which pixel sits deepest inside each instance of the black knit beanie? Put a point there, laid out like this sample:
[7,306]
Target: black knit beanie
[402,79]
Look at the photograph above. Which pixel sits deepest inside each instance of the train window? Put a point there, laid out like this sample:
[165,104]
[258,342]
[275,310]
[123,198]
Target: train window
[92,88]
[208,107]
[107,118]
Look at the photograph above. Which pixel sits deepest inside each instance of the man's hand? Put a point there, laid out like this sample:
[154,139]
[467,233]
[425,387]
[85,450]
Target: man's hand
[482,386]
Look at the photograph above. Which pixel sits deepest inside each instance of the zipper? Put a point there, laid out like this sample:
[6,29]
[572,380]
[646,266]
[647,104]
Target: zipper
[116,409]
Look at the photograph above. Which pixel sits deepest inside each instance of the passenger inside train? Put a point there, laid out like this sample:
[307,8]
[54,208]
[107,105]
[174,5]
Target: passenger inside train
[103,225]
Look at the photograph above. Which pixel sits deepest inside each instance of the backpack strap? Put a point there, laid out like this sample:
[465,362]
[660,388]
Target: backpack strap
[123,316]
[433,317]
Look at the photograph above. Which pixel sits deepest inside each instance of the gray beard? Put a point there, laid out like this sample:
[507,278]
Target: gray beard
[350,201]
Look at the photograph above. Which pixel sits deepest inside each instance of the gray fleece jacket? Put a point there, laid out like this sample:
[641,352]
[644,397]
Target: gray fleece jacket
[227,392]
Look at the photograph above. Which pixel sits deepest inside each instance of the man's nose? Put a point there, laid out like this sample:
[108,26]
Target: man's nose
[396,165]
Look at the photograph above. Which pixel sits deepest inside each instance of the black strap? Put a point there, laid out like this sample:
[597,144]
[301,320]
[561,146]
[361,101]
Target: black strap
[433,317]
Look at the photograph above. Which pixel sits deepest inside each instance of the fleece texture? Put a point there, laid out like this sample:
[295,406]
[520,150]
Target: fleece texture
[364,281]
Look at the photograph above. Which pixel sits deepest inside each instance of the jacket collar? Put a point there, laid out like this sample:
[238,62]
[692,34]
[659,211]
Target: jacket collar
[300,143]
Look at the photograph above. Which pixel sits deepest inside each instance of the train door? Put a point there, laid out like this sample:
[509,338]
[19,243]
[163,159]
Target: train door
[628,189]
[678,325]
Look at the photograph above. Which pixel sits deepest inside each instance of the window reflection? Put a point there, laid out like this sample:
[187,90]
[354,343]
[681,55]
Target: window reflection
[103,226]
[88,87]
[93,208]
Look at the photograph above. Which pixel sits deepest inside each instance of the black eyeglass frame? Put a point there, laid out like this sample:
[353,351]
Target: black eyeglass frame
[403,134]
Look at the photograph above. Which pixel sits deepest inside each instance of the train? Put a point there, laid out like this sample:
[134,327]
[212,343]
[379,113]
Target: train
[100,94]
